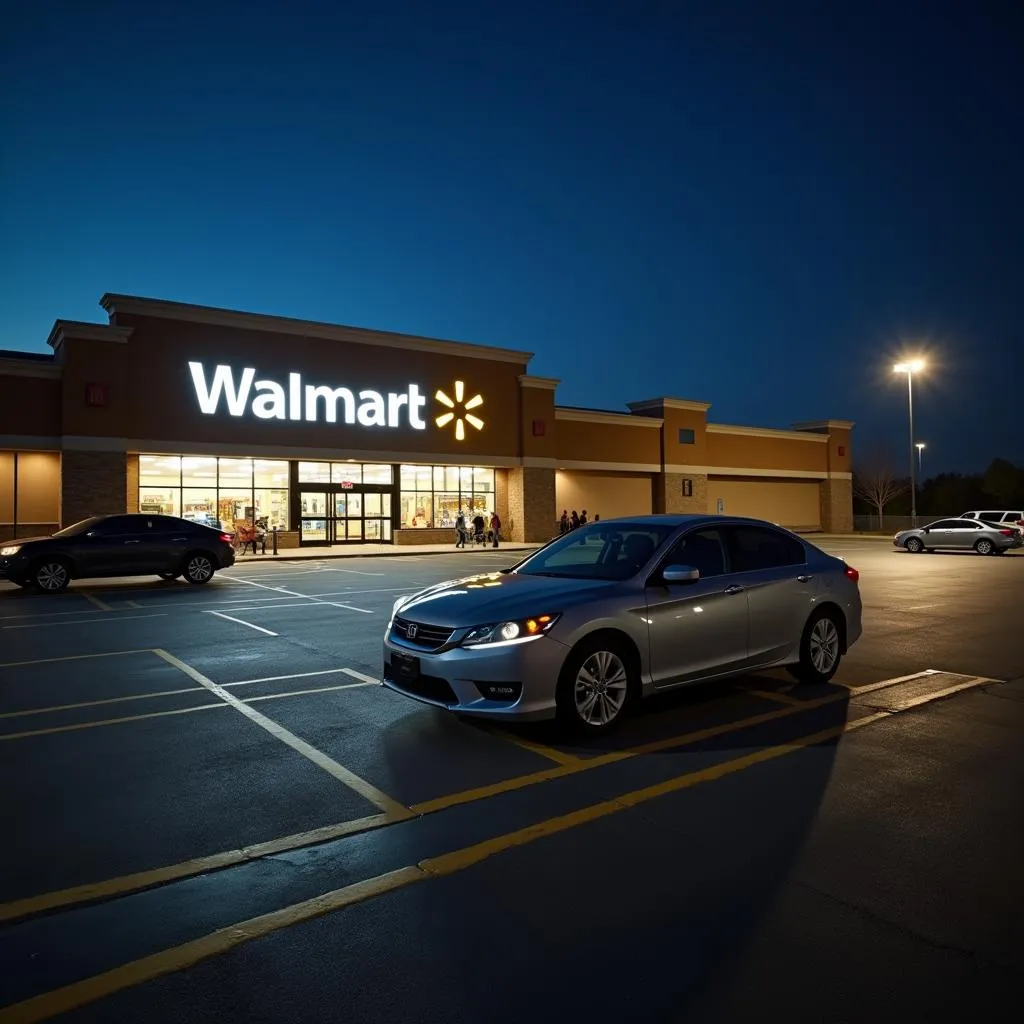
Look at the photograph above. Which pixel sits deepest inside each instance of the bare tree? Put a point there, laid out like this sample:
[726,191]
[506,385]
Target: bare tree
[877,484]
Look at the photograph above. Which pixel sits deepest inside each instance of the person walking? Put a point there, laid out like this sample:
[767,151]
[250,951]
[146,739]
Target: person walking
[563,523]
[495,528]
[460,529]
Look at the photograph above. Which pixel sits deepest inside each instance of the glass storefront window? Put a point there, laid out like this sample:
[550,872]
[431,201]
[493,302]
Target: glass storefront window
[377,475]
[160,470]
[314,472]
[164,501]
[431,496]
[270,492]
[222,492]
[198,471]
[346,473]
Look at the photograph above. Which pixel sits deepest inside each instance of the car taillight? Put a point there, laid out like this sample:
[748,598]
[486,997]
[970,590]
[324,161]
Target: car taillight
[227,537]
[1008,533]
[851,574]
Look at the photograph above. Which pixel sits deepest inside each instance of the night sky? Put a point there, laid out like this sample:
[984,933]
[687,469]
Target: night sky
[760,205]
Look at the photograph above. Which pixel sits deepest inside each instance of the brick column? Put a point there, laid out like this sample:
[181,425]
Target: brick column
[531,504]
[92,484]
[836,497]
[132,497]
[669,498]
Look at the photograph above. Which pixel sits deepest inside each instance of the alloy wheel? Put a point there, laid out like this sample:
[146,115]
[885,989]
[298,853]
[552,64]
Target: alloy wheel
[824,645]
[200,569]
[52,576]
[984,547]
[601,688]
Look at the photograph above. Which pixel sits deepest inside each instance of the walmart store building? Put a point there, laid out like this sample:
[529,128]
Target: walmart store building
[340,435]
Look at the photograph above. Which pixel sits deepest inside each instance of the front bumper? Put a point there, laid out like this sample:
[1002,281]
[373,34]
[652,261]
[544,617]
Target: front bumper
[457,679]
[14,568]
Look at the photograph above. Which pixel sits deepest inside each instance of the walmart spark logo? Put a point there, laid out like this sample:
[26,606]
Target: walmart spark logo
[459,410]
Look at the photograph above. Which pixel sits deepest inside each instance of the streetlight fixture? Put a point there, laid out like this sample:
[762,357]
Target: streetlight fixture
[920,446]
[910,367]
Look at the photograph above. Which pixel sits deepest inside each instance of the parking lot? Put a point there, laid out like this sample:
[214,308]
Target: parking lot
[216,812]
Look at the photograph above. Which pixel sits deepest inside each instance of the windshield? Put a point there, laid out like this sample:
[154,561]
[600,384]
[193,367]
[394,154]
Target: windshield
[76,528]
[599,551]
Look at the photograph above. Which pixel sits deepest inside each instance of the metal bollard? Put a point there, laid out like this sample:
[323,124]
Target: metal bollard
[275,540]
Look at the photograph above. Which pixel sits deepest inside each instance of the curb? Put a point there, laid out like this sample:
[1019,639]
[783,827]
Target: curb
[282,556]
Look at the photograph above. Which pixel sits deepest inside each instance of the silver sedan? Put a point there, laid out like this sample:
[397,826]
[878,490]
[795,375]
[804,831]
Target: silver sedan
[960,535]
[618,610]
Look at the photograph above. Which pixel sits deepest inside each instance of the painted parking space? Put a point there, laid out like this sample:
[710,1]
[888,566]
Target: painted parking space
[99,802]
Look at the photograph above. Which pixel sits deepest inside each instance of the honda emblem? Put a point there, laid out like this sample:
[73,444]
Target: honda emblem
[411,630]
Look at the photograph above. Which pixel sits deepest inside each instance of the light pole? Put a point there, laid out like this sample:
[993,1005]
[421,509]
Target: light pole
[920,446]
[911,367]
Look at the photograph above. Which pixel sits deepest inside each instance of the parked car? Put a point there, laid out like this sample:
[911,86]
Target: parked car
[999,517]
[117,545]
[620,609]
[961,534]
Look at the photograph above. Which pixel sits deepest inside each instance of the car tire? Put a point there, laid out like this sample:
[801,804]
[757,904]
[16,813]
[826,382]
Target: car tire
[914,545]
[168,576]
[984,547]
[198,568]
[999,551]
[51,575]
[821,647]
[597,686]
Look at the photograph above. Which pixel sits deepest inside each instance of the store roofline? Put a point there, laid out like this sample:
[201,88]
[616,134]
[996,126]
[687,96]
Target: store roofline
[216,316]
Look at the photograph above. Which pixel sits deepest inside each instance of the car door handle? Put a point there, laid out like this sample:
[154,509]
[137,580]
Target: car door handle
[735,589]
[805,578]
[179,538]
[131,542]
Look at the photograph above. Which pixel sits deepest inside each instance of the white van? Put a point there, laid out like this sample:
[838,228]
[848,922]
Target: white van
[1001,516]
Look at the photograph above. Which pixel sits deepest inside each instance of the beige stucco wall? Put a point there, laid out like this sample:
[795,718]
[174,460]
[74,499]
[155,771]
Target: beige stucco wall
[605,494]
[792,503]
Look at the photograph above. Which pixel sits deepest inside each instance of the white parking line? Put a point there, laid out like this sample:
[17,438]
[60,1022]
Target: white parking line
[101,605]
[318,757]
[242,622]
[361,676]
[86,622]
[305,597]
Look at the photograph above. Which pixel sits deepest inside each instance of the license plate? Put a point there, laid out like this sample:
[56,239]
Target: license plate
[405,667]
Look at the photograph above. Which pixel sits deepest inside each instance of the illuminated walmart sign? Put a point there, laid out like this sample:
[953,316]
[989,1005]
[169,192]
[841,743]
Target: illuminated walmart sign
[272,400]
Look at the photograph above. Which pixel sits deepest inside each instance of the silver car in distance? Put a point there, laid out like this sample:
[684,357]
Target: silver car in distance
[961,534]
[620,609]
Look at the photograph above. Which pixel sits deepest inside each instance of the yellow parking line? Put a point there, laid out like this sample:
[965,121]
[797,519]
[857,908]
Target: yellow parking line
[778,698]
[186,869]
[78,726]
[358,785]
[97,703]
[586,764]
[182,957]
[75,657]
[167,693]
[551,753]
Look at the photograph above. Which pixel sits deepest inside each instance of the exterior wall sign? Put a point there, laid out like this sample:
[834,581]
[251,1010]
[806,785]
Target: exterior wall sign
[271,400]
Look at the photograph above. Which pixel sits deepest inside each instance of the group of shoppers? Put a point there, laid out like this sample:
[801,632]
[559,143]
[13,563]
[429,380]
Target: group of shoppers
[569,522]
[480,531]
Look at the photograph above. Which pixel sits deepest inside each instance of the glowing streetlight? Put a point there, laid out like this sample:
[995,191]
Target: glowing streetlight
[920,446]
[910,367]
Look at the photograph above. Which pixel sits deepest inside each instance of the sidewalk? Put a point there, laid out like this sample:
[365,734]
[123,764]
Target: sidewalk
[378,550]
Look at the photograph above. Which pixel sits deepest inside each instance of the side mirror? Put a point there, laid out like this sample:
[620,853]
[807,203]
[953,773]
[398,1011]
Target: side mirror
[680,574]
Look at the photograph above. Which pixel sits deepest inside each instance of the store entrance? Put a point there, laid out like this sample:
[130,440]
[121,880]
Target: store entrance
[335,514]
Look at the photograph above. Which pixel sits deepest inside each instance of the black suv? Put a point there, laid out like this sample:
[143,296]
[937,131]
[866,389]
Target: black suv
[120,545]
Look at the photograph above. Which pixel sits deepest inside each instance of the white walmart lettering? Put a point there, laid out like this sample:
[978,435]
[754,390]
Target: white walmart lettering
[272,402]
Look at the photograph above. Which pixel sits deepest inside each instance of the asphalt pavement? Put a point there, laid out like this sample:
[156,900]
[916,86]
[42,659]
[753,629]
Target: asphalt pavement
[217,814]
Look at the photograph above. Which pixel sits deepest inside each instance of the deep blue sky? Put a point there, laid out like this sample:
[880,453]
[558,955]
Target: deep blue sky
[754,204]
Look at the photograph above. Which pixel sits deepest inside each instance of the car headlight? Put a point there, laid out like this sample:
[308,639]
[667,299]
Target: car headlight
[395,607]
[512,631]
[13,549]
